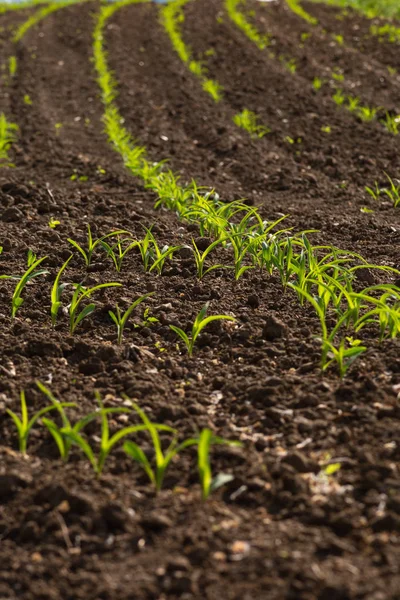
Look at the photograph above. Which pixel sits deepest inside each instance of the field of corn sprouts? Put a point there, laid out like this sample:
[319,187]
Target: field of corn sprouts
[200,300]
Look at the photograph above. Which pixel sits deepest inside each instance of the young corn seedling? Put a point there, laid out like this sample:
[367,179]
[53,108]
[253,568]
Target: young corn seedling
[31,257]
[213,88]
[392,123]
[393,192]
[317,83]
[385,312]
[117,251]
[162,459]
[92,244]
[200,258]
[353,103]
[8,137]
[249,121]
[59,434]
[56,291]
[339,97]
[367,113]
[30,273]
[12,66]
[153,256]
[81,293]
[208,483]
[374,192]
[24,424]
[199,324]
[120,319]
[240,246]
[107,442]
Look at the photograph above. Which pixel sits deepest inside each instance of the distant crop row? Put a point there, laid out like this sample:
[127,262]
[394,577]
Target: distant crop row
[235,10]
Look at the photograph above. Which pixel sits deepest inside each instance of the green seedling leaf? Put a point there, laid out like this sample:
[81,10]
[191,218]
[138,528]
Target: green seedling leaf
[24,425]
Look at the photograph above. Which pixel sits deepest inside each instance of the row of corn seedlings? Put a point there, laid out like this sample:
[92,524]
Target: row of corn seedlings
[66,434]
[78,309]
[322,275]
[311,270]
[351,103]
[172,17]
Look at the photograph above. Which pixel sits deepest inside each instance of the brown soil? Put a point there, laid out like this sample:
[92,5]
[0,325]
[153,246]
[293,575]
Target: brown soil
[279,530]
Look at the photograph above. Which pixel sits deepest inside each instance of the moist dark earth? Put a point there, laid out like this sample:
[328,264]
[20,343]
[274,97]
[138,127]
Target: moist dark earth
[282,528]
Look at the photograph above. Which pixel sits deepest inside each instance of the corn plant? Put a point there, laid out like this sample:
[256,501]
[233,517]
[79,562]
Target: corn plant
[208,483]
[240,246]
[30,273]
[249,121]
[339,97]
[162,459]
[385,311]
[348,349]
[152,255]
[200,258]
[118,251]
[213,88]
[289,64]
[56,291]
[24,424]
[8,137]
[59,433]
[368,113]
[200,322]
[212,216]
[107,442]
[170,194]
[120,319]
[317,83]
[92,244]
[12,66]
[393,192]
[391,123]
[353,103]
[374,192]
[82,293]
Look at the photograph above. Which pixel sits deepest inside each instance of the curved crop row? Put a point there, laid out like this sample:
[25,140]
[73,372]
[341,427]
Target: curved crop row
[40,15]
[172,17]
